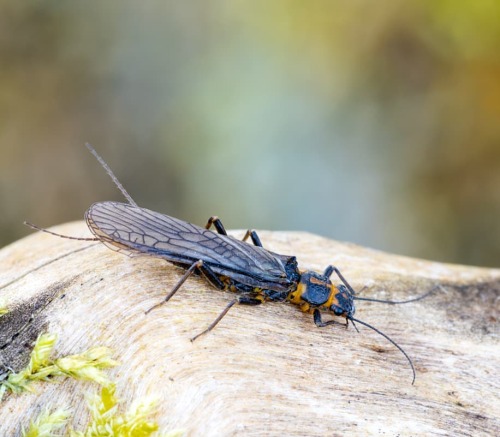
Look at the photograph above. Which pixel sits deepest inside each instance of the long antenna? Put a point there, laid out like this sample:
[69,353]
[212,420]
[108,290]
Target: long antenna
[37,228]
[352,319]
[111,175]
[396,302]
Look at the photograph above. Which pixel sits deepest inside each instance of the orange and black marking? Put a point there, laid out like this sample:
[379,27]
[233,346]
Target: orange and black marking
[255,274]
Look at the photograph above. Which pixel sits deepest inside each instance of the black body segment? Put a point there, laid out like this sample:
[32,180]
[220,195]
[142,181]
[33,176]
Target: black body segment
[315,294]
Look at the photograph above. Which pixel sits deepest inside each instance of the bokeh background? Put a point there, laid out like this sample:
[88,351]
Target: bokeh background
[371,122]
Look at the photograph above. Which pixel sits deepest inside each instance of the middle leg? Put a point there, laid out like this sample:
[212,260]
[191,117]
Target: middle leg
[243,299]
[216,222]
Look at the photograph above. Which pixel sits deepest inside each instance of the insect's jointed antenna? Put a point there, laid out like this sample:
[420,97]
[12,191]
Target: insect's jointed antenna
[37,228]
[390,340]
[111,175]
[398,302]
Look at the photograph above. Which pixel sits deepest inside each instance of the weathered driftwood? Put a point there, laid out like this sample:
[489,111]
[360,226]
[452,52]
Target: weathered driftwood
[264,370]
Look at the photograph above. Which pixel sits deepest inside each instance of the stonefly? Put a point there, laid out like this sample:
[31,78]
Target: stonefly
[257,275]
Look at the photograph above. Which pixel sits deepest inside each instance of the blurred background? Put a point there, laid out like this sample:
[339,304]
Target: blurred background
[371,122]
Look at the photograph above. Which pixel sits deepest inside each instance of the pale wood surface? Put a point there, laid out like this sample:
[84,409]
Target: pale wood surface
[264,370]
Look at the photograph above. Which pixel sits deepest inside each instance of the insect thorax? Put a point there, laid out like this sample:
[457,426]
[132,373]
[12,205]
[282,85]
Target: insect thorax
[316,291]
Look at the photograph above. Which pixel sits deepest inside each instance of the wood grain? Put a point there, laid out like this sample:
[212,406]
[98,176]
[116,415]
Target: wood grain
[264,370]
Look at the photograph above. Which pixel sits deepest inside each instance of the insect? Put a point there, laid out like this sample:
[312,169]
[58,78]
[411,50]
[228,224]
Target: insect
[255,274]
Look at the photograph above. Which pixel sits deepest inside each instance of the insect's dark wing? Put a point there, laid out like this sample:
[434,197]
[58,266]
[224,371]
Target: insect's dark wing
[124,227]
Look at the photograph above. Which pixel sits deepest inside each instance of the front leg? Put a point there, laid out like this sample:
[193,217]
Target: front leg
[328,272]
[318,321]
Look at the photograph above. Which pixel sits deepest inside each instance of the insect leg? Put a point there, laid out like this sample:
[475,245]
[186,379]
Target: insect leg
[320,324]
[215,221]
[328,272]
[255,238]
[330,269]
[211,277]
[245,300]
[207,273]
[186,275]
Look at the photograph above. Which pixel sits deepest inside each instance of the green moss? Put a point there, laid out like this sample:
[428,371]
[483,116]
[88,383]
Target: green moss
[106,419]
[46,423]
[88,366]
[3,308]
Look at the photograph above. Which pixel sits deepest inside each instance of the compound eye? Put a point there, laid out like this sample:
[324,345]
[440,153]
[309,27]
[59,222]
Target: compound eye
[337,310]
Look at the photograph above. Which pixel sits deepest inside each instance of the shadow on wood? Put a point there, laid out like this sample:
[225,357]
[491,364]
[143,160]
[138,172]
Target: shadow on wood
[264,370]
